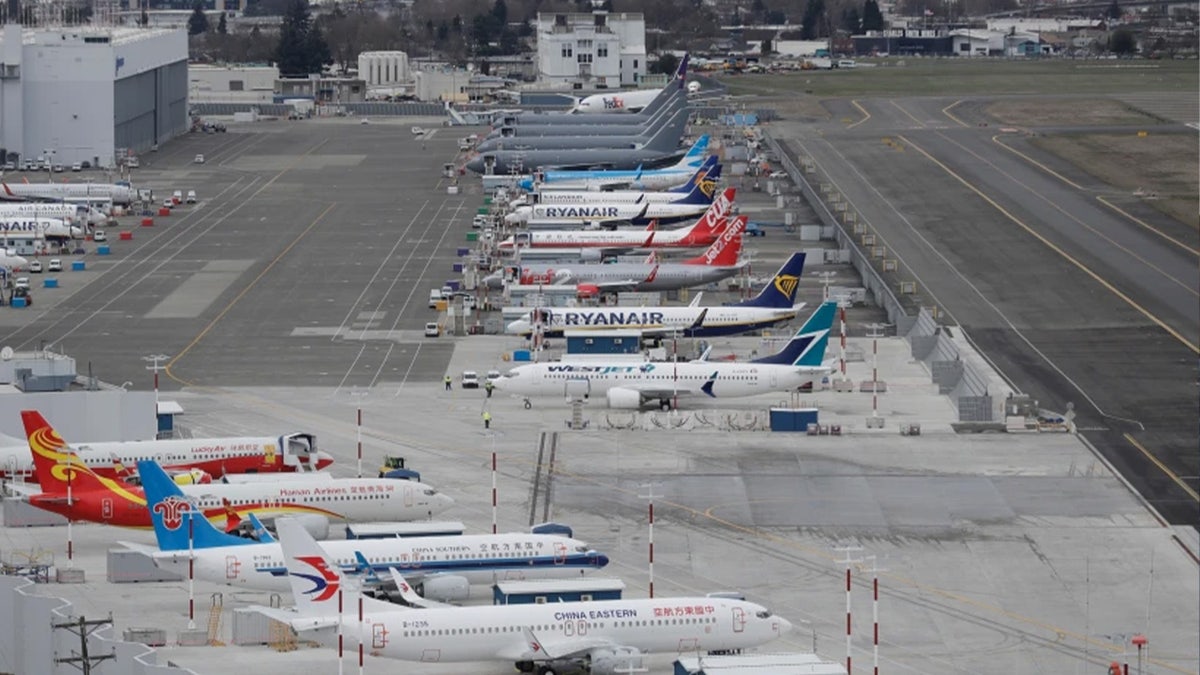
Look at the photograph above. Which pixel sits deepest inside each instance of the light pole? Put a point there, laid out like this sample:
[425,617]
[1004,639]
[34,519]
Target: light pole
[154,360]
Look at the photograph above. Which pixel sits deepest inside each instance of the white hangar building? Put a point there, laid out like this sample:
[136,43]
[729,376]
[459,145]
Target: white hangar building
[85,93]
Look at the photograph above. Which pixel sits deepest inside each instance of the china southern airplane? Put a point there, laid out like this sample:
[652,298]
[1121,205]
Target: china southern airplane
[772,306]
[609,179]
[661,147]
[673,102]
[630,136]
[596,637]
[444,567]
[626,385]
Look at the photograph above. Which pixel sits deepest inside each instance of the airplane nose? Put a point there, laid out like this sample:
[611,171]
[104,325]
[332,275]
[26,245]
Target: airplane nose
[784,626]
[324,459]
[601,559]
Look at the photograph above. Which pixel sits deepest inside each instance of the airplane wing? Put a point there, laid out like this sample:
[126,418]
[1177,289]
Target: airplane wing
[296,621]
[552,649]
[667,332]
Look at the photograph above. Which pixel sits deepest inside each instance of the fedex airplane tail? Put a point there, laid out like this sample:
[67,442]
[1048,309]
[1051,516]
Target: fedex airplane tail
[807,347]
[171,511]
[711,222]
[725,251]
[780,292]
[701,191]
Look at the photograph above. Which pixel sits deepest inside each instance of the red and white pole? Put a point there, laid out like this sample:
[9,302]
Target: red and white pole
[848,624]
[875,617]
[191,515]
[341,632]
[875,377]
[495,500]
[360,443]
[652,544]
[842,311]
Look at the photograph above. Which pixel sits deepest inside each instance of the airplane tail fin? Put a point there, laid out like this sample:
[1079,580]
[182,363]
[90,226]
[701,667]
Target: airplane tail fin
[171,514]
[807,347]
[119,469]
[725,251]
[260,531]
[315,579]
[703,171]
[666,139]
[694,157]
[54,463]
[780,292]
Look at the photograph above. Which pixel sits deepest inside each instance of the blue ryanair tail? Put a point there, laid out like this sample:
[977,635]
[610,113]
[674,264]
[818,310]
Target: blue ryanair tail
[694,158]
[807,347]
[780,292]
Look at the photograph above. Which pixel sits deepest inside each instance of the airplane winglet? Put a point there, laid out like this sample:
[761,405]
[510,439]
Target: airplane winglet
[696,300]
[699,320]
[409,595]
[260,531]
[536,651]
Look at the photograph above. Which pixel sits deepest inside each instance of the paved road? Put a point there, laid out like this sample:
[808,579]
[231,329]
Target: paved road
[1072,300]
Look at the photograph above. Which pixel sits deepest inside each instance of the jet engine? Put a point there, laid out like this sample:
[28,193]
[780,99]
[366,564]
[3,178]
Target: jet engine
[591,255]
[317,526]
[444,588]
[613,660]
[623,398]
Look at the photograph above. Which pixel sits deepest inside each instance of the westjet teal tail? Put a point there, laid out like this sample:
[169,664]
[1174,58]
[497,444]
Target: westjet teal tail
[807,347]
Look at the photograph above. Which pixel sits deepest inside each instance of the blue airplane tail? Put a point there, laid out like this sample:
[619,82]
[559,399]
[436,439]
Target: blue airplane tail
[701,190]
[711,168]
[780,292]
[170,511]
[807,347]
[695,155]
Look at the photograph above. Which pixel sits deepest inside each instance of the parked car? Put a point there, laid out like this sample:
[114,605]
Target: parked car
[86,164]
[55,265]
[169,203]
[470,379]
[191,197]
[432,330]
[132,162]
[99,235]
[10,166]
[492,376]
[77,166]
[35,267]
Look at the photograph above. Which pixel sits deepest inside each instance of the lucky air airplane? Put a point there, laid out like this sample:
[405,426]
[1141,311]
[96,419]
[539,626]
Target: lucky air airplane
[65,211]
[444,566]
[601,638]
[706,177]
[119,194]
[772,306]
[701,233]
[318,498]
[569,126]
[215,456]
[719,261]
[600,211]
[632,385]
[638,179]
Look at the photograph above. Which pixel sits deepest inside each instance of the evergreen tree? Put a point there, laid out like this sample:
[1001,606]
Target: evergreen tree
[222,28]
[872,18]
[810,24]
[500,11]
[1114,10]
[197,22]
[302,49]
[145,17]
[850,21]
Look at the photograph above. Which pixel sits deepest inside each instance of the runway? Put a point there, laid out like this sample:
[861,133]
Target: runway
[1073,301]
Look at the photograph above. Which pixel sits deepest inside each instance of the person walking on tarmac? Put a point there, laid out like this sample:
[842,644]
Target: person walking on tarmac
[448,382]
[488,386]
[487,420]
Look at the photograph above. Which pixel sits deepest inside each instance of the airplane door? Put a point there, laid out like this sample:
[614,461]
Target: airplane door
[408,495]
[560,554]
[106,508]
[739,620]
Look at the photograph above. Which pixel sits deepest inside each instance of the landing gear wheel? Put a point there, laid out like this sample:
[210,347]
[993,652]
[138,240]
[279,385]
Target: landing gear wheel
[547,670]
[528,404]
[664,405]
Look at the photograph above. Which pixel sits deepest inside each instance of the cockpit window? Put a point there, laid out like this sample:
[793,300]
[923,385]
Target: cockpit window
[512,373]
[765,614]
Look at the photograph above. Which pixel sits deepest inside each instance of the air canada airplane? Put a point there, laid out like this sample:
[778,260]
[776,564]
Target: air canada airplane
[215,456]
[119,194]
[600,638]
[445,567]
[631,385]
[772,306]
[631,101]
[71,489]
[705,178]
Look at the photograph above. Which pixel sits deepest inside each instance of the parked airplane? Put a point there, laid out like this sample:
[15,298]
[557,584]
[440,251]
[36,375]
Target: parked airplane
[10,261]
[631,101]
[119,194]
[603,213]
[701,233]
[673,117]
[596,637]
[719,261]
[567,127]
[706,177]
[772,306]
[640,179]
[626,385]
[65,211]
[444,566]
[215,456]
[318,497]
[28,227]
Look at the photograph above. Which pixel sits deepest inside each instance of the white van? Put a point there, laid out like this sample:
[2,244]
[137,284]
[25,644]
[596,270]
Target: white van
[435,296]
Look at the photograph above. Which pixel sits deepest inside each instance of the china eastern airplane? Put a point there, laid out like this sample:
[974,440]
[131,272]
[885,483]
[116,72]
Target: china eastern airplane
[119,194]
[444,566]
[772,306]
[719,261]
[706,177]
[561,637]
[318,498]
[65,211]
[703,232]
[627,385]
[612,179]
[215,456]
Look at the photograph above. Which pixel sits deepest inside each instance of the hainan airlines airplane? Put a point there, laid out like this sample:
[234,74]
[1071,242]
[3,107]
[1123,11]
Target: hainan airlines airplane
[445,567]
[701,233]
[318,498]
[597,637]
[630,101]
[215,456]
[628,385]
[599,210]
[772,306]
[706,177]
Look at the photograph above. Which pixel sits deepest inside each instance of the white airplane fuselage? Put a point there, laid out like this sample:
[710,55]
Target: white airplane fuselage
[658,320]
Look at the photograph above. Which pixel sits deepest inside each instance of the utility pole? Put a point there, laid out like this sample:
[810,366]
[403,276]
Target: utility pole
[154,360]
[84,628]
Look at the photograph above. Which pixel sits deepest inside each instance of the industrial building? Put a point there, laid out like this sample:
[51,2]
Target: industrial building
[232,84]
[89,94]
[383,69]
[600,50]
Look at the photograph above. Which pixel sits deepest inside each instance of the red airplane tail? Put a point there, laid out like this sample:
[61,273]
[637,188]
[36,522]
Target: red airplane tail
[725,251]
[705,230]
[54,464]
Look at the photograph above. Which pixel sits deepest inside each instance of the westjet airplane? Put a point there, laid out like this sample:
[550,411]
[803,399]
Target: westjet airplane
[597,637]
[119,194]
[628,385]
[771,307]
[639,179]
[215,456]
[70,488]
[444,567]
[631,101]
